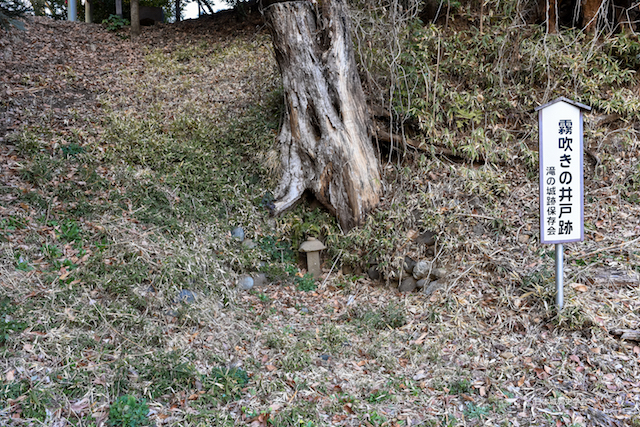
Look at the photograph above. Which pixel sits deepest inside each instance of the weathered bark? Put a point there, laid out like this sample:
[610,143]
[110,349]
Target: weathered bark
[325,139]
[590,9]
[552,16]
[135,18]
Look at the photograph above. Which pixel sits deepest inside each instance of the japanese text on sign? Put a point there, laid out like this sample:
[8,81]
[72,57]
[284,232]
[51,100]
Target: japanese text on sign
[561,193]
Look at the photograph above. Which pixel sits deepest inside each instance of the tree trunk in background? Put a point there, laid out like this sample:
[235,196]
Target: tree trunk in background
[552,16]
[177,10]
[119,8]
[135,18]
[325,142]
[590,10]
[88,11]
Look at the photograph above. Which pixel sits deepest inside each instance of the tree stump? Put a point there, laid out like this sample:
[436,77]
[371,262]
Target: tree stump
[325,140]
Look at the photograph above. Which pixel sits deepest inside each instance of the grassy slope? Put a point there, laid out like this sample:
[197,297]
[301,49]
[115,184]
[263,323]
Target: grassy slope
[131,162]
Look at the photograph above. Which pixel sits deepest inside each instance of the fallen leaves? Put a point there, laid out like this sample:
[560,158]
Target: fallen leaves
[579,287]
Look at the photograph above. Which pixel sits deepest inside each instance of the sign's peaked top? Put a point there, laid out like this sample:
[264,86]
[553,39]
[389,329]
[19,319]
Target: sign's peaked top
[563,99]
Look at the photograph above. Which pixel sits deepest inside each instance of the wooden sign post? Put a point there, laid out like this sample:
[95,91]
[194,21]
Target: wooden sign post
[561,179]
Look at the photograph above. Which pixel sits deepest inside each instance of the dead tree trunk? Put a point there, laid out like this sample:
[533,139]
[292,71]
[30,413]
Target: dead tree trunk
[325,139]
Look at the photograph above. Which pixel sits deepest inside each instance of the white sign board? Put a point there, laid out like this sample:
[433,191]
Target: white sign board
[561,177]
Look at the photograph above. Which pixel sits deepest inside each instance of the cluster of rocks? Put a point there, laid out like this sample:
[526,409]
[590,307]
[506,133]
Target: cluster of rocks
[238,234]
[415,275]
[248,281]
[422,274]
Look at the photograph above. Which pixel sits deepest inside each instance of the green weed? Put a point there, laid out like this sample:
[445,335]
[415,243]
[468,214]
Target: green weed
[128,411]
[22,263]
[305,283]
[376,419]
[462,386]
[115,23]
[478,412]
[225,384]
[9,325]
[377,396]
[296,359]
[71,150]
[36,403]
[391,316]
[331,338]
[303,414]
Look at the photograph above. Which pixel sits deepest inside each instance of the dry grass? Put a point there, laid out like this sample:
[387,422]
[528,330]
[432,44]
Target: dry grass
[487,349]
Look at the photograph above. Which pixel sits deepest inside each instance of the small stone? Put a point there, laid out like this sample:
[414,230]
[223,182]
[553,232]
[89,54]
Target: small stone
[245,282]
[433,286]
[325,357]
[422,269]
[428,238]
[476,203]
[395,276]
[420,375]
[523,238]
[408,285]
[238,233]
[249,244]
[421,283]
[478,229]
[373,273]
[186,296]
[409,264]
[304,310]
[506,355]
[439,273]
[259,279]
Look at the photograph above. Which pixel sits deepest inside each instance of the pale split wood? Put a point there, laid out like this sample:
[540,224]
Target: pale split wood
[325,140]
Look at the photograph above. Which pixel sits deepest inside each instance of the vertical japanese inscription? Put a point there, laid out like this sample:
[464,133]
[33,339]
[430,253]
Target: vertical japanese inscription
[561,192]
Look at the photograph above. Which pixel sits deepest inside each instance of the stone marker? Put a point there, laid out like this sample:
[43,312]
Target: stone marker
[312,248]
